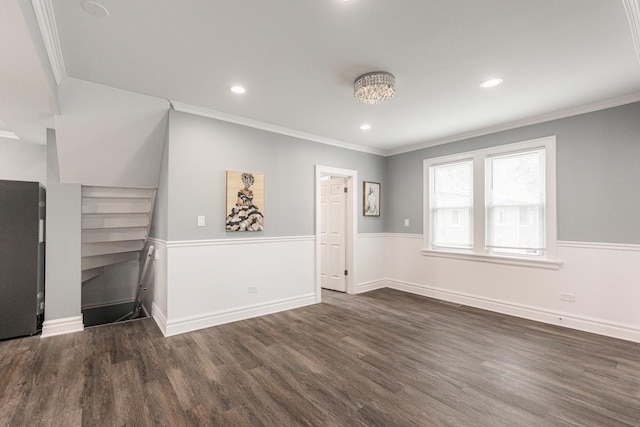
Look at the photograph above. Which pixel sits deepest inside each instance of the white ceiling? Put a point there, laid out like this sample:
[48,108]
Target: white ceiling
[27,97]
[298,60]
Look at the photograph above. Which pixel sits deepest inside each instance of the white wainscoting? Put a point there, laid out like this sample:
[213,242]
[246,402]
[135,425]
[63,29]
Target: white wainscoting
[159,290]
[206,282]
[370,261]
[603,278]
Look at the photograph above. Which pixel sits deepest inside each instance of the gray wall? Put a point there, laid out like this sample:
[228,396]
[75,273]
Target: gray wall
[23,161]
[63,236]
[159,224]
[598,175]
[199,152]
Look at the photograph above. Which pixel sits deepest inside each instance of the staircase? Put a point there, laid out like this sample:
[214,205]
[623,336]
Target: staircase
[115,226]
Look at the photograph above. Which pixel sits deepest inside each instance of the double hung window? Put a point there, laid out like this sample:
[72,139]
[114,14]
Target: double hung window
[452,206]
[493,204]
[515,199]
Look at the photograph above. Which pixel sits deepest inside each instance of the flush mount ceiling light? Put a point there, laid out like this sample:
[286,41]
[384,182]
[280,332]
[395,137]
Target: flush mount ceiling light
[374,88]
[491,83]
[238,89]
[365,126]
[94,8]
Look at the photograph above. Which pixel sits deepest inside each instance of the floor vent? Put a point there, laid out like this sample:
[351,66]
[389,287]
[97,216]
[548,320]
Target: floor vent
[451,304]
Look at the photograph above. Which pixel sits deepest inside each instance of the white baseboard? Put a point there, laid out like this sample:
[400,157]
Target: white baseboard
[586,324]
[371,286]
[192,323]
[159,317]
[66,325]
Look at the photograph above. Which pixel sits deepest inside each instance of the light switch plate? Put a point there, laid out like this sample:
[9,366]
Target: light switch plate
[200,220]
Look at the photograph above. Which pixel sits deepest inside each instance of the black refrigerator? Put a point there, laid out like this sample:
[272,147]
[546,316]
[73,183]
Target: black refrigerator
[22,249]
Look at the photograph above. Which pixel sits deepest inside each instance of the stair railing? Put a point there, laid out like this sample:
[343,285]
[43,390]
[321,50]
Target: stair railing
[138,306]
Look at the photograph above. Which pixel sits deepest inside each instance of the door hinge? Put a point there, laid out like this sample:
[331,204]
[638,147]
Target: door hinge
[346,272]
[345,189]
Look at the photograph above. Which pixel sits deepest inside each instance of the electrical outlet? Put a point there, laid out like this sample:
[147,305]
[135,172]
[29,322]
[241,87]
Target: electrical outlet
[253,289]
[200,220]
[568,297]
[406,222]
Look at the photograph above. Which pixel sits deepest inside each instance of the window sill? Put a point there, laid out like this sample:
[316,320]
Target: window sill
[496,259]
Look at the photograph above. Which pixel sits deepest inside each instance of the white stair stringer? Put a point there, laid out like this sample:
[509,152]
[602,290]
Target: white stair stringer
[115,226]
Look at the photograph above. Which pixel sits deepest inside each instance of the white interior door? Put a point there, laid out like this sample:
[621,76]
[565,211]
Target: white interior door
[333,234]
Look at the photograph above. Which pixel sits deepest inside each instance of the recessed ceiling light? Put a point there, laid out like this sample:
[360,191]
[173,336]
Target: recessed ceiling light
[94,8]
[238,89]
[491,83]
[365,126]
[8,134]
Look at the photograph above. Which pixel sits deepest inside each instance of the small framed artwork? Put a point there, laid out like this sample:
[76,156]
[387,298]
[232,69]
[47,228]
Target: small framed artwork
[245,201]
[371,199]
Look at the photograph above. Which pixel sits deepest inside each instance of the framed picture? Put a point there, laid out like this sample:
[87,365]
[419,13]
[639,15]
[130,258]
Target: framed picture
[371,199]
[245,201]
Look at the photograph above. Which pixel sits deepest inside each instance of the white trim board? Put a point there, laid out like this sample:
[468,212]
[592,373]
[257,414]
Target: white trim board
[67,325]
[193,323]
[405,235]
[159,317]
[239,120]
[571,321]
[496,259]
[561,114]
[43,10]
[632,8]
[371,286]
[232,241]
[602,246]
[371,235]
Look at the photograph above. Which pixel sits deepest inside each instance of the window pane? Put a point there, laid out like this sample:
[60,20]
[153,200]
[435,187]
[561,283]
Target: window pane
[452,228]
[516,229]
[517,179]
[452,205]
[515,211]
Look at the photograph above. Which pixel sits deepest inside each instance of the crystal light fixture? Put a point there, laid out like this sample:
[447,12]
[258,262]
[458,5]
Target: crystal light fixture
[374,88]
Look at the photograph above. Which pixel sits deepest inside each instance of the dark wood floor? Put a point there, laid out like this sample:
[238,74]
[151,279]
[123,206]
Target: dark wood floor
[384,358]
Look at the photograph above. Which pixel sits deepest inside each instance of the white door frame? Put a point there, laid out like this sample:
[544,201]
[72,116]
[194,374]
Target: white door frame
[351,223]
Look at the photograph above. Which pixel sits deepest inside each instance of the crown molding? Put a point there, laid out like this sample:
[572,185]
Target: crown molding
[632,7]
[43,10]
[219,115]
[562,114]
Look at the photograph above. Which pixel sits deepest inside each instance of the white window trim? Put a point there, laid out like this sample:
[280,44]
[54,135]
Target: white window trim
[478,253]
